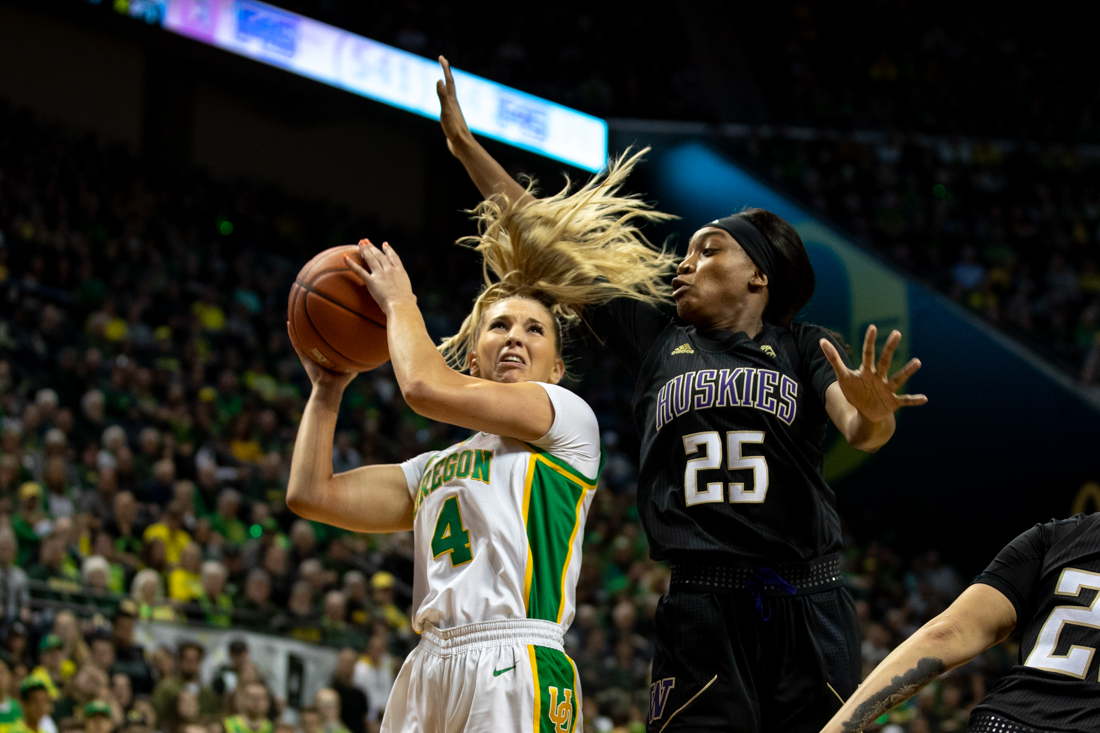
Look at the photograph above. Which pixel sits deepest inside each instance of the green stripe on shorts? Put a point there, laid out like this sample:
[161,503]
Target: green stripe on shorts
[558,700]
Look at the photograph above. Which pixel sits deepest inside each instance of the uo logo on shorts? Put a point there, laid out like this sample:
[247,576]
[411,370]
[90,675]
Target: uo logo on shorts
[561,714]
[658,697]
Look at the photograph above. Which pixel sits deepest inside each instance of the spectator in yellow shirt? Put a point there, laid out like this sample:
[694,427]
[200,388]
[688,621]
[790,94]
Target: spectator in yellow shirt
[381,584]
[185,582]
[169,530]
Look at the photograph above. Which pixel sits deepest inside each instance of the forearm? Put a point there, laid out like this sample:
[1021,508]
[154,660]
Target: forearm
[366,499]
[940,645]
[311,464]
[487,174]
[417,364]
[867,435]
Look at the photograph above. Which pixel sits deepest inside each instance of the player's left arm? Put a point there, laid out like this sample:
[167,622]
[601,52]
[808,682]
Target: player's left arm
[861,403]
[981,617]
[430,387]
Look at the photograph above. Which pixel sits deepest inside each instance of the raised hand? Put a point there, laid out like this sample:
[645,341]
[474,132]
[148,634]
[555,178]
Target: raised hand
[384,275]
[868,389]
[454,124]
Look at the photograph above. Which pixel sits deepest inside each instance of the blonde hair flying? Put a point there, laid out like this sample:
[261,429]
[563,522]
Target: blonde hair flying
[565,251]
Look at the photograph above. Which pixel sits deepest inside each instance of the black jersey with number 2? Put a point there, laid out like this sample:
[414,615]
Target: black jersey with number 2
[731,432]
[1051,574]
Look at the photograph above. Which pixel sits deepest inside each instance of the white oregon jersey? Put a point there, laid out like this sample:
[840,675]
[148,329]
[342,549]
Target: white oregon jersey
[499,523]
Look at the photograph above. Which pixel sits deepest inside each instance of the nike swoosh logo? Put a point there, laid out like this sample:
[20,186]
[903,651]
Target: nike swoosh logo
[499,672]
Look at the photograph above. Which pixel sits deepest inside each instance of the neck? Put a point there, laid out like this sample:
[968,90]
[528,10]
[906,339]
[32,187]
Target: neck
[745,314]
[741,320]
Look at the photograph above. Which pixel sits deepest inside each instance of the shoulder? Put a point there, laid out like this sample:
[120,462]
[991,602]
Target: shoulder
[574,435]
[567,401]
[807,335]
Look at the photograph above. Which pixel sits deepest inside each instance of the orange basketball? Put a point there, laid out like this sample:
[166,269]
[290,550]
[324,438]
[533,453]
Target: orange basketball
[333,317]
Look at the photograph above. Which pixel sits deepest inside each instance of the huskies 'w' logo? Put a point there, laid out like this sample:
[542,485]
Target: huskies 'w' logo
[561,715]
[658,696]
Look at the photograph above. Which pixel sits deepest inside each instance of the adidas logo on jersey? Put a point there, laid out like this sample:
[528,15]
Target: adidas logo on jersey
[768,350]
[682,349]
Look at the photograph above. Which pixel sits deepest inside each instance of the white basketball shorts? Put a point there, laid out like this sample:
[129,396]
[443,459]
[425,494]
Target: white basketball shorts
[493,676]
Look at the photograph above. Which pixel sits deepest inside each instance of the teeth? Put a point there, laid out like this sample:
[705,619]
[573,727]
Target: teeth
[516,359]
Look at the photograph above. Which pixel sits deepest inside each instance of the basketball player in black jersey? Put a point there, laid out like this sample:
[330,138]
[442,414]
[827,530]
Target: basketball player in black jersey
[758,631]
[1046,583]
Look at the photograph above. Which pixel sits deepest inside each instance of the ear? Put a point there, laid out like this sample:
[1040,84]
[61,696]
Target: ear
[758,279]
[471,364]
[558,372]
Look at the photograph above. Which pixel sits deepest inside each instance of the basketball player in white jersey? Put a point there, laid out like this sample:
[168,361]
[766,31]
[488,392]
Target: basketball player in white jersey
[497,519]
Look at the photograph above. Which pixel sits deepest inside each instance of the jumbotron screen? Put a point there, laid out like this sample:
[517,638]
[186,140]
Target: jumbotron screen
[371,69]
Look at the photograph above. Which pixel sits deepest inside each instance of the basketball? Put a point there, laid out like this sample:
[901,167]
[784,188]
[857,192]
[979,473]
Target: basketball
[333,318]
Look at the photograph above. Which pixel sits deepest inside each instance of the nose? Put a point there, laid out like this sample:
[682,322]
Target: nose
[515,335]
[686,265]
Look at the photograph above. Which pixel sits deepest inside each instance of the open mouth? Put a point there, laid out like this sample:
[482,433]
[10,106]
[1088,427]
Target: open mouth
[511,361]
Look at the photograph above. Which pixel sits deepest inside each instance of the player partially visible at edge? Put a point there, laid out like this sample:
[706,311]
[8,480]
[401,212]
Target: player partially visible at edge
[1045,583]
[498,519]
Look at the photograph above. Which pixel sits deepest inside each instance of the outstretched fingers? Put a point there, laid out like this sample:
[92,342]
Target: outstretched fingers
[833,356]
[911,400]
[901,376]
[869,339]
[887,355]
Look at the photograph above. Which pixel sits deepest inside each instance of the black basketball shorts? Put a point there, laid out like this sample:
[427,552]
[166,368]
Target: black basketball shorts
[718,665]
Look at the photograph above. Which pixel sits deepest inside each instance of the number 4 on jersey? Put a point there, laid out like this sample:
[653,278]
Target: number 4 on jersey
[450,535]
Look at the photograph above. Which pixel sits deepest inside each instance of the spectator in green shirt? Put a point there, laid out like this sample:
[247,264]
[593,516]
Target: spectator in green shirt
[30,523]
[213,605]
[226,521]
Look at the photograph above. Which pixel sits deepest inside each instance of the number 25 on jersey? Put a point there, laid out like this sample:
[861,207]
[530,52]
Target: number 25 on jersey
[710,444]
[451,537]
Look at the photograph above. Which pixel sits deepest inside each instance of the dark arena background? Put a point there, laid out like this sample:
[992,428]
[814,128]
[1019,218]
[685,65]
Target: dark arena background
[163,176]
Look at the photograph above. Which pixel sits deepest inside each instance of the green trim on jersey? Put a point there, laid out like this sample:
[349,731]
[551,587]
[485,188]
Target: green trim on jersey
[557,704]
[554,493]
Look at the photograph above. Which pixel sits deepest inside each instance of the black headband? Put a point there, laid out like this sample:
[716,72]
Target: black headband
[755,244]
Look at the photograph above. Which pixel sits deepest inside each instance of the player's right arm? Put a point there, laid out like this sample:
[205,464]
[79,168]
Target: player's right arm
[366,499]
[488,175]
[981,617]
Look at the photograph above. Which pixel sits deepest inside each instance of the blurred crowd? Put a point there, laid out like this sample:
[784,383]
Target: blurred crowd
[1011,232]
[978,68]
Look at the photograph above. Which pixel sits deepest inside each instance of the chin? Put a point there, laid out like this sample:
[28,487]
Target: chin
[684,309]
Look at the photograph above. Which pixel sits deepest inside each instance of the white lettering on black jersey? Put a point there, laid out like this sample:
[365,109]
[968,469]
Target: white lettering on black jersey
[731,428]
[1051,574]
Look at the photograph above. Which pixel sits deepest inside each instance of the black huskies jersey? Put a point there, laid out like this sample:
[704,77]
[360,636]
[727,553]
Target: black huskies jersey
[731,432]
[1051,574]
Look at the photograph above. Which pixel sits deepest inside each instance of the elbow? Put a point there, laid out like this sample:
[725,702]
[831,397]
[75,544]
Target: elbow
[296,502]
[943,630]
[302,499]
[419,395]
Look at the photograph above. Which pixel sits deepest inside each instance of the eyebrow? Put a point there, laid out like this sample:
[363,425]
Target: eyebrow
[529,321]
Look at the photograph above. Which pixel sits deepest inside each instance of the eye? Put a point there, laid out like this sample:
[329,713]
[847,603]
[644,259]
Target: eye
[537,328]
[709,251]
[497,324]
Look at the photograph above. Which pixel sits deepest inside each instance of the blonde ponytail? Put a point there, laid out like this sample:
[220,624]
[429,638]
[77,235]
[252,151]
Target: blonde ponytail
[566,251]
